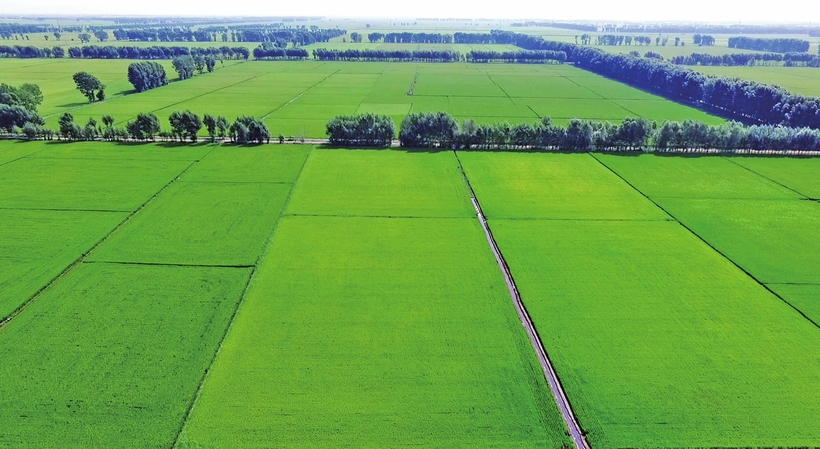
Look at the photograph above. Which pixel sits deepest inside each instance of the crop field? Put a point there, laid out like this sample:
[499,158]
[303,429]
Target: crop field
[659,341]
[111,355]
[376,332]
[799,80]
[297,98]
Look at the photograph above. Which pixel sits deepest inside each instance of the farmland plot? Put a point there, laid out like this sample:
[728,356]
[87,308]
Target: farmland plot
[799,174]
[381,183]
[775,240]
[37,245]
[660,341]
[87,184]
[200,223]
[805,298]
[552,186]
[376,332]
[111,355]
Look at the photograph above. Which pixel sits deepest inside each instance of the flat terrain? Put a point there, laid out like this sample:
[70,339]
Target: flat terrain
[297,98]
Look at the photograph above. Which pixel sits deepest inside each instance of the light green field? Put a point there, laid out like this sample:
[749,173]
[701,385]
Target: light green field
[698,177]
[84,184]
[799,80]
[376,332]
[199,223]
[775,240]
[111,356]
[805,298]
[661,342]
[244,164]
[297,98]
[799,174]
[37,245]
[381,183]
[552,186]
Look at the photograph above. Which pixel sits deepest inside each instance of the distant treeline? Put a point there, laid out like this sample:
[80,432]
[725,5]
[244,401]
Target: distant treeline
[776,45]
[563,25]
[324,54]
[737,59]
[523,56]
[124,52]
[256,33]
[728,96]
[9,29]
[707,28]
[411,38]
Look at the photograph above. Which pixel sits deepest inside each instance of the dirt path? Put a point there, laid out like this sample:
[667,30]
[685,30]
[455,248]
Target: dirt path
[552,378]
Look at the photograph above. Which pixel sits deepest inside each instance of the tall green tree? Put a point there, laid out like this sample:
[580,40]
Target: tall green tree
[90,86]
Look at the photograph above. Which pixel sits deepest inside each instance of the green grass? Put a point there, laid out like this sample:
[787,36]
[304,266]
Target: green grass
[112,355]
[376,332]
[552,186]
[661,342]
[36,245]
[199,223]
[86,184]
[298,97]
[799,174]
[250,164]
[381,183]
[805,298]
[775,240]
[697,177]
[11,151]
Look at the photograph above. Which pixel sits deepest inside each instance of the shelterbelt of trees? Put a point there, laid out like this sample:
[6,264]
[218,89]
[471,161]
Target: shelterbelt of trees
[324,54]
[736,98]
[123,52]
[736,59]
[236,33]
[777,45]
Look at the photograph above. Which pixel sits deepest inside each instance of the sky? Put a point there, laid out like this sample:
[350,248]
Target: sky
[731,11]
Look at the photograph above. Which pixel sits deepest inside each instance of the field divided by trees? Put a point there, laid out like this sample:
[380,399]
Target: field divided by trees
[297,98]
[659,340]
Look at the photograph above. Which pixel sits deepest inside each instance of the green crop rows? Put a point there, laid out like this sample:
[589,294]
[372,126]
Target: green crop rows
[170,295]
[298,98]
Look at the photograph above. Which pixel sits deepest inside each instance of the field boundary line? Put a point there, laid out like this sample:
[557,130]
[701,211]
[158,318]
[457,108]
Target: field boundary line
[54,209]
[85,255]
[376,216]
[300,95]
[571,421]
[582,219]
[766,177]
[161,264]
[228,328]
[722,254]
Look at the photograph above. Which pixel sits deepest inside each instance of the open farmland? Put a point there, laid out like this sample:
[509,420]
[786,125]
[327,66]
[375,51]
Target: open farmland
[654,335]
[297,98]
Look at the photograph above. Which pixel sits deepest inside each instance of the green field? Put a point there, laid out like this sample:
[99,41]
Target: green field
[297,98]
[112,355]
[376,332]
[661,342]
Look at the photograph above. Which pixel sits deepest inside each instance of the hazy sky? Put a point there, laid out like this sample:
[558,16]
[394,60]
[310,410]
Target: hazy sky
[634,10]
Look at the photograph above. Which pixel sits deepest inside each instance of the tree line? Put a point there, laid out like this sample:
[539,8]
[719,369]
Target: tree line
[184,126]
[562,25]
[18,107]
[781,45]
[440,130]
[415,38]
[364,130]
[122,52]
[742,59]
[324,54]
[702,28]
[273,52]
[247,33]
[727,96]
[521,56]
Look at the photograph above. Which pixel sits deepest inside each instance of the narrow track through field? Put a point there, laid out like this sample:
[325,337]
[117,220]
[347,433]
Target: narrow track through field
[561,399]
